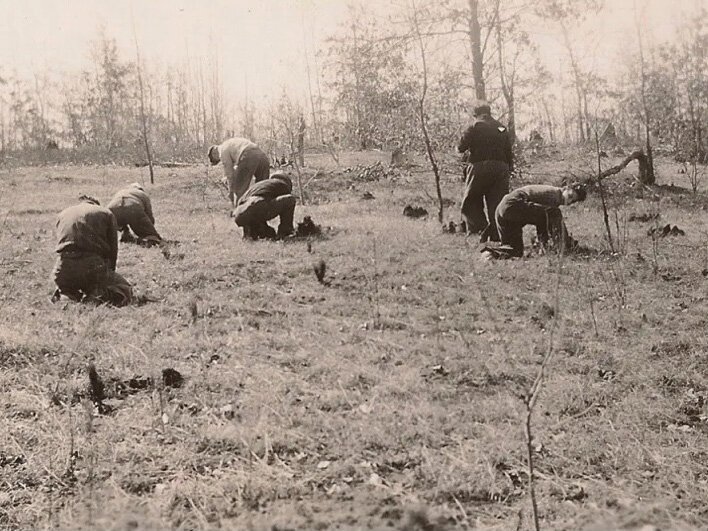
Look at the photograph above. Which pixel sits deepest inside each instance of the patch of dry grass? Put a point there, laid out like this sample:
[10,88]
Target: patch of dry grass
[392,396]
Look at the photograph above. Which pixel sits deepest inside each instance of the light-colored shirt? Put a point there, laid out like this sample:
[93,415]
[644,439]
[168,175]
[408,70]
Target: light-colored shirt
[230,152]
[88,228]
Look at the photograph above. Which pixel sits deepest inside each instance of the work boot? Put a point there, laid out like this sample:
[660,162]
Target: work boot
[266,232]
[248,233]
[284,231]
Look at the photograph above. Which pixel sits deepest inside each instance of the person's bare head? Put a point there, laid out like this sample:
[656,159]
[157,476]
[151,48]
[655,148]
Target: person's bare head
[214,156]
[572,193]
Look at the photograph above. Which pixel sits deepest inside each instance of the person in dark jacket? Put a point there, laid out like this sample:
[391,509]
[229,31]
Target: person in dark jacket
[537,205]
[264,201]
[489,162]
[132,208]
[88,251]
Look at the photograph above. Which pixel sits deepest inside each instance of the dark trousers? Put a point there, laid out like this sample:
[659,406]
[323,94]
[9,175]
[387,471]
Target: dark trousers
[252,163]
[255,212]
[513,215]
[134,216]
[85,275]
[487,183]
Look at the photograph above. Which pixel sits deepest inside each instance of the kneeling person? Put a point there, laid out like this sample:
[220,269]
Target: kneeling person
[88,249]
[264,201]
[132,208]
[536,204]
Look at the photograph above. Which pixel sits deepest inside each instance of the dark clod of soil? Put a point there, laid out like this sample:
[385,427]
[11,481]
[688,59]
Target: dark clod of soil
[96,388]
[367,196]
[414,212]
[320,269]
[172,378]
[307,227]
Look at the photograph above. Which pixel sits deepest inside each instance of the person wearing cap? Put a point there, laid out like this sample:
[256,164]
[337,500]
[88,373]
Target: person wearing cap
[489,158]
[264,201]
[87,245]
[242,160]
[132,208]
[538,205]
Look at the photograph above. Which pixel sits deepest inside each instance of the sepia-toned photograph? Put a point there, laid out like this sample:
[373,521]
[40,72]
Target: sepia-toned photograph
[418,265]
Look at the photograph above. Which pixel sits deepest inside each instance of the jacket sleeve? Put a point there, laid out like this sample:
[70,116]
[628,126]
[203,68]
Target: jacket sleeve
[112,238]
[466,140]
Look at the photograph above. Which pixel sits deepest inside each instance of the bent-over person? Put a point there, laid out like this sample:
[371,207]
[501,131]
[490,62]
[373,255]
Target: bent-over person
[132,208]
[242,160]
[490,160]
[263,201]
[87,245]
[538,205]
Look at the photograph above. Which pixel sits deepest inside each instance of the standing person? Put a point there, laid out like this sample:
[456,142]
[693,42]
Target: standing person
[536,204]
[264,201]
[132,208]
[242,160]
[87,244]
[490,160]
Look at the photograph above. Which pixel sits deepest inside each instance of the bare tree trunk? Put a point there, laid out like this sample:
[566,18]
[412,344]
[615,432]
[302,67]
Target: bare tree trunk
[549,119]
[507,88]
[361,136]
[577,79]
[315,122]
[143,118]
[475,37]
[422,114]
[650,177]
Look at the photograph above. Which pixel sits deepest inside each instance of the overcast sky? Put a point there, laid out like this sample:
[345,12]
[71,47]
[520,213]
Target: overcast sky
[258,42]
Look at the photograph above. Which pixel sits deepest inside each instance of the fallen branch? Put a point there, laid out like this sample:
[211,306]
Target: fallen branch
[165,164]
[641,158]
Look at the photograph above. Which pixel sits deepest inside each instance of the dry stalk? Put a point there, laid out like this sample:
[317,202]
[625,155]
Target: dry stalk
[532,397]
[377,309]
[422,113]
[602,194]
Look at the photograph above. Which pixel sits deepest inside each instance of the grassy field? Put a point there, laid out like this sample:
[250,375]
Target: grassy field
[391,397]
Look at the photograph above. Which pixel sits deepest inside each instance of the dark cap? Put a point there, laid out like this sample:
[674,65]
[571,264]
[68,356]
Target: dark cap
[482,108]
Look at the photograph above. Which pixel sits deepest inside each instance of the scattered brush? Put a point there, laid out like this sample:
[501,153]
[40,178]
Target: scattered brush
[666,230]
[647,216]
